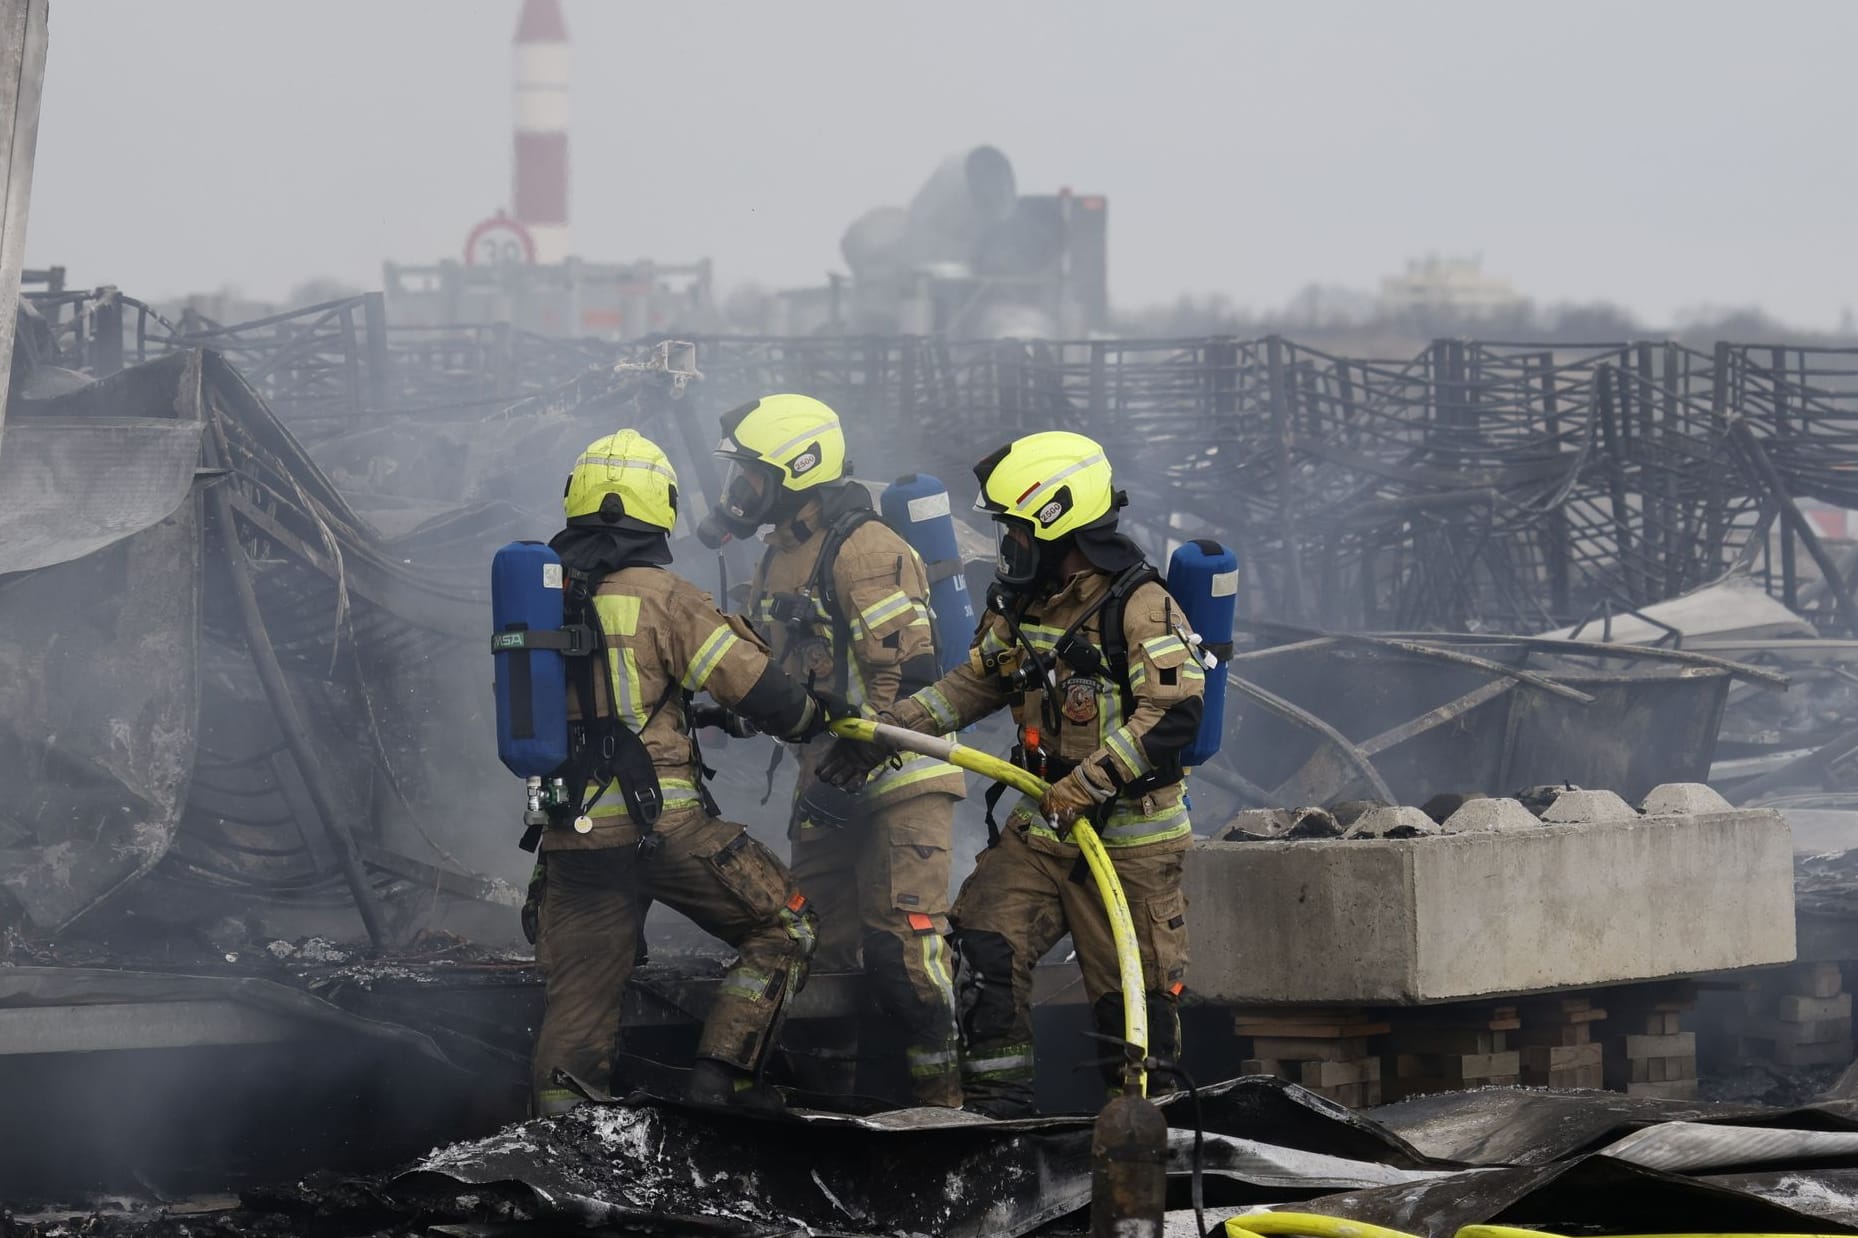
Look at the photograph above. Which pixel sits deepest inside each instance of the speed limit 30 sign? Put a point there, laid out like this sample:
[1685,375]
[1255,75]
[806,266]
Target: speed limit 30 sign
[497,241]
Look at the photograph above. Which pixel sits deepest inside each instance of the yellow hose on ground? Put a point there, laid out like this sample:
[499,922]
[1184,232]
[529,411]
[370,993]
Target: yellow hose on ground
[1510,1231]
[1310,1223]
[1115,903]
[1256,1224]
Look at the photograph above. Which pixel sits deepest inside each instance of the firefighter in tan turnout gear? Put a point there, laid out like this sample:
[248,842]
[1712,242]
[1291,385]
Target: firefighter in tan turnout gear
[1093,657]
[664,641]
[843,600]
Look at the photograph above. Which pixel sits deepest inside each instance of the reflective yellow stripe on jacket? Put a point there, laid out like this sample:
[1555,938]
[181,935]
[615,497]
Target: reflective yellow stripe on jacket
[708,654]
[886,781]
[880,612]
[677,793]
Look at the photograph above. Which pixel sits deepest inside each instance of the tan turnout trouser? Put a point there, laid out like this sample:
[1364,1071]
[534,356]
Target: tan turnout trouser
[1024,895]
[880,887]
[593,904]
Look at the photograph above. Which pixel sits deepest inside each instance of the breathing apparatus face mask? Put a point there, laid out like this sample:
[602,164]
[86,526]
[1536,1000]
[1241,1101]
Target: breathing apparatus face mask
[1021,561]
[751,492]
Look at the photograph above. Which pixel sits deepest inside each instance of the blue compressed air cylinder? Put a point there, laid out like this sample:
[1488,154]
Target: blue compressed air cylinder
[917,508]
[532,684]
[1203,576]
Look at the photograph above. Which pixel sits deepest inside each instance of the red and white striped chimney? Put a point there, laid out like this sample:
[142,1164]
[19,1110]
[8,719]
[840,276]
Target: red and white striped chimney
[541,181]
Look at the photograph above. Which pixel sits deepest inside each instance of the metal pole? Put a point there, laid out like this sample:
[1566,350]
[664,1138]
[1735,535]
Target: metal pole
[1290,603]
[1798,524]
[374,322]
[22,72]
[284,706]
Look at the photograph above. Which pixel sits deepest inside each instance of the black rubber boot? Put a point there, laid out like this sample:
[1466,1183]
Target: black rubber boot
[721,1085]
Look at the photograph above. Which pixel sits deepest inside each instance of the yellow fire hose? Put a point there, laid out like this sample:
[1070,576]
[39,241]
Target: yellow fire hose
[1115,904]
[1256,1224]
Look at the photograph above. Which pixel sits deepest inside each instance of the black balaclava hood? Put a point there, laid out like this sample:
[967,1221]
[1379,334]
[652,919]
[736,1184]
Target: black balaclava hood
[589,546]
[836,499]
[1106,549]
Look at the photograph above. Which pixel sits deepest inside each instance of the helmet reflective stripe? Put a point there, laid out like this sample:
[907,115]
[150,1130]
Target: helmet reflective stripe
[623,476]
[1030,502]
[632,462]
[779,431]
[793,444]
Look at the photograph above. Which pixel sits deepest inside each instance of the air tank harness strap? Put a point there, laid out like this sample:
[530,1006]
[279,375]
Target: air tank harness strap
[607,750]
[793,613]
[1084,659]
[1079,656]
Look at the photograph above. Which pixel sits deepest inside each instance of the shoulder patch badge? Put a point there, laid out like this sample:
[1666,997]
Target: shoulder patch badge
[1080,698]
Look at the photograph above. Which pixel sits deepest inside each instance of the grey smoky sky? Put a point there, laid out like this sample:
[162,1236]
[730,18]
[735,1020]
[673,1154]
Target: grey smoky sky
[1663,155]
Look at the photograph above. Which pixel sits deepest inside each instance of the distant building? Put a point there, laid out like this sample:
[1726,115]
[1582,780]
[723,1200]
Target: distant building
[1454,288]
[569,299]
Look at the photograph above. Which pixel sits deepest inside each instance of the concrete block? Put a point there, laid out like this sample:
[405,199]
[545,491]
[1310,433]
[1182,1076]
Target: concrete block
[1495,816]
[1810,1009]
[1403,822]
[1402,921]
[1685,1089]
[1587,807]
[1674,799]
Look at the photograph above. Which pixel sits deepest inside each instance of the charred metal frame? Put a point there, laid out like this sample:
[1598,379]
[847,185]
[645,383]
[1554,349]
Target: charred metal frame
[1479,485]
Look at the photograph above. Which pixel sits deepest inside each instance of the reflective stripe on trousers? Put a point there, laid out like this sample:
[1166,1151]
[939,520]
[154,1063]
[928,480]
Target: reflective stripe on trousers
[1005,1062]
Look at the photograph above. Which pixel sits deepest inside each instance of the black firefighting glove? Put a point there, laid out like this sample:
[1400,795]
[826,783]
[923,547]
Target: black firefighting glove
[827,707]
[726,721]
[850,761]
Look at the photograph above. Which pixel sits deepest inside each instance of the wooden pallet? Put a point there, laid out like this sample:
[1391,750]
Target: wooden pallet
[1450,1048]
[1557,1043]
[1802,1017]
[1647,1051]
[1326,1050]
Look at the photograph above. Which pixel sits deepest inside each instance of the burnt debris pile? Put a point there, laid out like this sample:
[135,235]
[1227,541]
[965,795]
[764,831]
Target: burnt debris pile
[244,699]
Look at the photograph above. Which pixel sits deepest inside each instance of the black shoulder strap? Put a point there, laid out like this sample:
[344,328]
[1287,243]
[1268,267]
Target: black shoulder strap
[821,585]
[1115,640]
[837,534]
[617,752]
